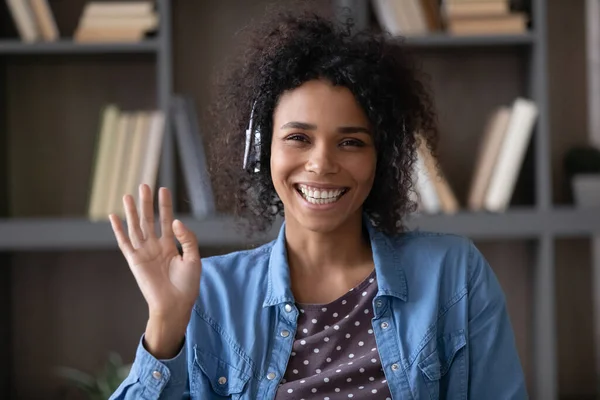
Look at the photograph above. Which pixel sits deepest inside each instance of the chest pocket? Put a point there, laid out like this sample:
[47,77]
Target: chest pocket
[212,376]
[444,369]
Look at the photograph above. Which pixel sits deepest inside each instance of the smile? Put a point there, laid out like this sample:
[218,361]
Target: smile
[315,195]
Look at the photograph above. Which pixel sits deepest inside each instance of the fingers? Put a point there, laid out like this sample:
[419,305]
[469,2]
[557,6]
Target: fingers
[188,241]
[133,222]
[122,238]
[165,204]
[147,211]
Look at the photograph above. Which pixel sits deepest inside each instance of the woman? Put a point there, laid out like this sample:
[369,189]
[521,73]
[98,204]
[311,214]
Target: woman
[345,303]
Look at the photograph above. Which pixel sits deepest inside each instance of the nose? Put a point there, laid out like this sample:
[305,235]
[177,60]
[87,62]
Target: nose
[322,161]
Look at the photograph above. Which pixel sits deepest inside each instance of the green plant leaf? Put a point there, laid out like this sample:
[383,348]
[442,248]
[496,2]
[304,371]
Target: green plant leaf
[82,379]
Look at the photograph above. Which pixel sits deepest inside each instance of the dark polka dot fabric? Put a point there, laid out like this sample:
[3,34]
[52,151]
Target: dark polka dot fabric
[334,354]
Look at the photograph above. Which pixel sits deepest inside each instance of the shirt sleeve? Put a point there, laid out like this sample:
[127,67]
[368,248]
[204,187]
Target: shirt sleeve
[495,370]
[152,379]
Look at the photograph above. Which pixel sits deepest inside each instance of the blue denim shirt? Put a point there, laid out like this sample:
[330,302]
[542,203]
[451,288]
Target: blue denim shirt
[440,323]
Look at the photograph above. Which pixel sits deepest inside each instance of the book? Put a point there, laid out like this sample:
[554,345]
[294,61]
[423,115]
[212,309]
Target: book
[487,154]
[116,21]
[191,151]
[121,9]
[514,23]
[139,142]
[407,17]
[469,9]
[512,153]
[428,198]
[24,20]
[45,19]
[151,157]
[118,164]
[447,199]
[104,149]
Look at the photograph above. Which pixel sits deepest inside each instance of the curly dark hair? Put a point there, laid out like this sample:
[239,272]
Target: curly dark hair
[290,48]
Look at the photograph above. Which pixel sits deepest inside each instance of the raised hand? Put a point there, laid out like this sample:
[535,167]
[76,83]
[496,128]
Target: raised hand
[168,281]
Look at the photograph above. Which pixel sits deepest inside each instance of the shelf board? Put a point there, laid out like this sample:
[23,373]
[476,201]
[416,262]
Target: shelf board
[33,234]
[15,46]
[80,233]
[445,40]
[517,223]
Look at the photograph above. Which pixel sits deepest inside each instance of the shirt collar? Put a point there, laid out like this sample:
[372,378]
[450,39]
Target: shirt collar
[391,279]
[278,285]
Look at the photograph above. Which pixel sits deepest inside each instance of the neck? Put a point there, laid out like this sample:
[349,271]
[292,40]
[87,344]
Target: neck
[317,253]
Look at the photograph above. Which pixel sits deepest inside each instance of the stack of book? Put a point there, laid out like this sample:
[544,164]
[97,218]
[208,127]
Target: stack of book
[501,153]
[128,150]
[127,154]
[482,17]
[121,21]
[33,20]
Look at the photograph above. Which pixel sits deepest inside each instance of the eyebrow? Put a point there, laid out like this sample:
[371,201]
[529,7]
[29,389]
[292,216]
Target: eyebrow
[309,127]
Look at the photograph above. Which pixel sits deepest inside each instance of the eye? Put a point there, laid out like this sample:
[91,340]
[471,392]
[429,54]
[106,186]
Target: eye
[297,137]
[352,143]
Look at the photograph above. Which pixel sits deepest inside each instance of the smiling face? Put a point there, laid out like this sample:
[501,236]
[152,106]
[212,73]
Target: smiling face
[322,156]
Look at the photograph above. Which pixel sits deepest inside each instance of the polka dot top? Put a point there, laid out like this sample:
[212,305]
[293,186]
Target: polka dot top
[334,355]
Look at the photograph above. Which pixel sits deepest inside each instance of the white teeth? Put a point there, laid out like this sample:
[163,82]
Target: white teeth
[320,196]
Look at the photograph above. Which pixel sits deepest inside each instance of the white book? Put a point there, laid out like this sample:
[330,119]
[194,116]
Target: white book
[45,19]
[385,12]
[24,20]
[151,159]
[120,9]
[512,153]
[103,161]
[115,196]
[428,196]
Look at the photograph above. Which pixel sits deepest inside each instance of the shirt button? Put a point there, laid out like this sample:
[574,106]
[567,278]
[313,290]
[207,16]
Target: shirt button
[271,376]
[222,380]
[285,333]
[378,303]
[385,325]
[156,375]
[395,367]
[288,308]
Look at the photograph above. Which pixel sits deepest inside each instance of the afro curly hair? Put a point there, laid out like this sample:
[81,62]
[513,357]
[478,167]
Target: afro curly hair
[288,49]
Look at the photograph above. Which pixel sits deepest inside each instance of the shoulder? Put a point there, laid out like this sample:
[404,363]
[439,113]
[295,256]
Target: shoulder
[233,260]
[233,278]
[436,247]
[429,256]
[236,265]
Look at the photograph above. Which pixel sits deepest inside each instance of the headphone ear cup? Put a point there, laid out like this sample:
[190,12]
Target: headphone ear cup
[247,148]
[257,148]
[252,135]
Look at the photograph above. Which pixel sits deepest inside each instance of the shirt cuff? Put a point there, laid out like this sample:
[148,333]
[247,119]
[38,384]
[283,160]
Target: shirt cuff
[168,377]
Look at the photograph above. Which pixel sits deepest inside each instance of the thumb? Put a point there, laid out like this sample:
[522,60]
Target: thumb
[188,241]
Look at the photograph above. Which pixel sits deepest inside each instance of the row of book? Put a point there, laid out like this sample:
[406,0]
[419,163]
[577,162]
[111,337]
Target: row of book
[455,17]
[501,153]
[128,152]
[100,21]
